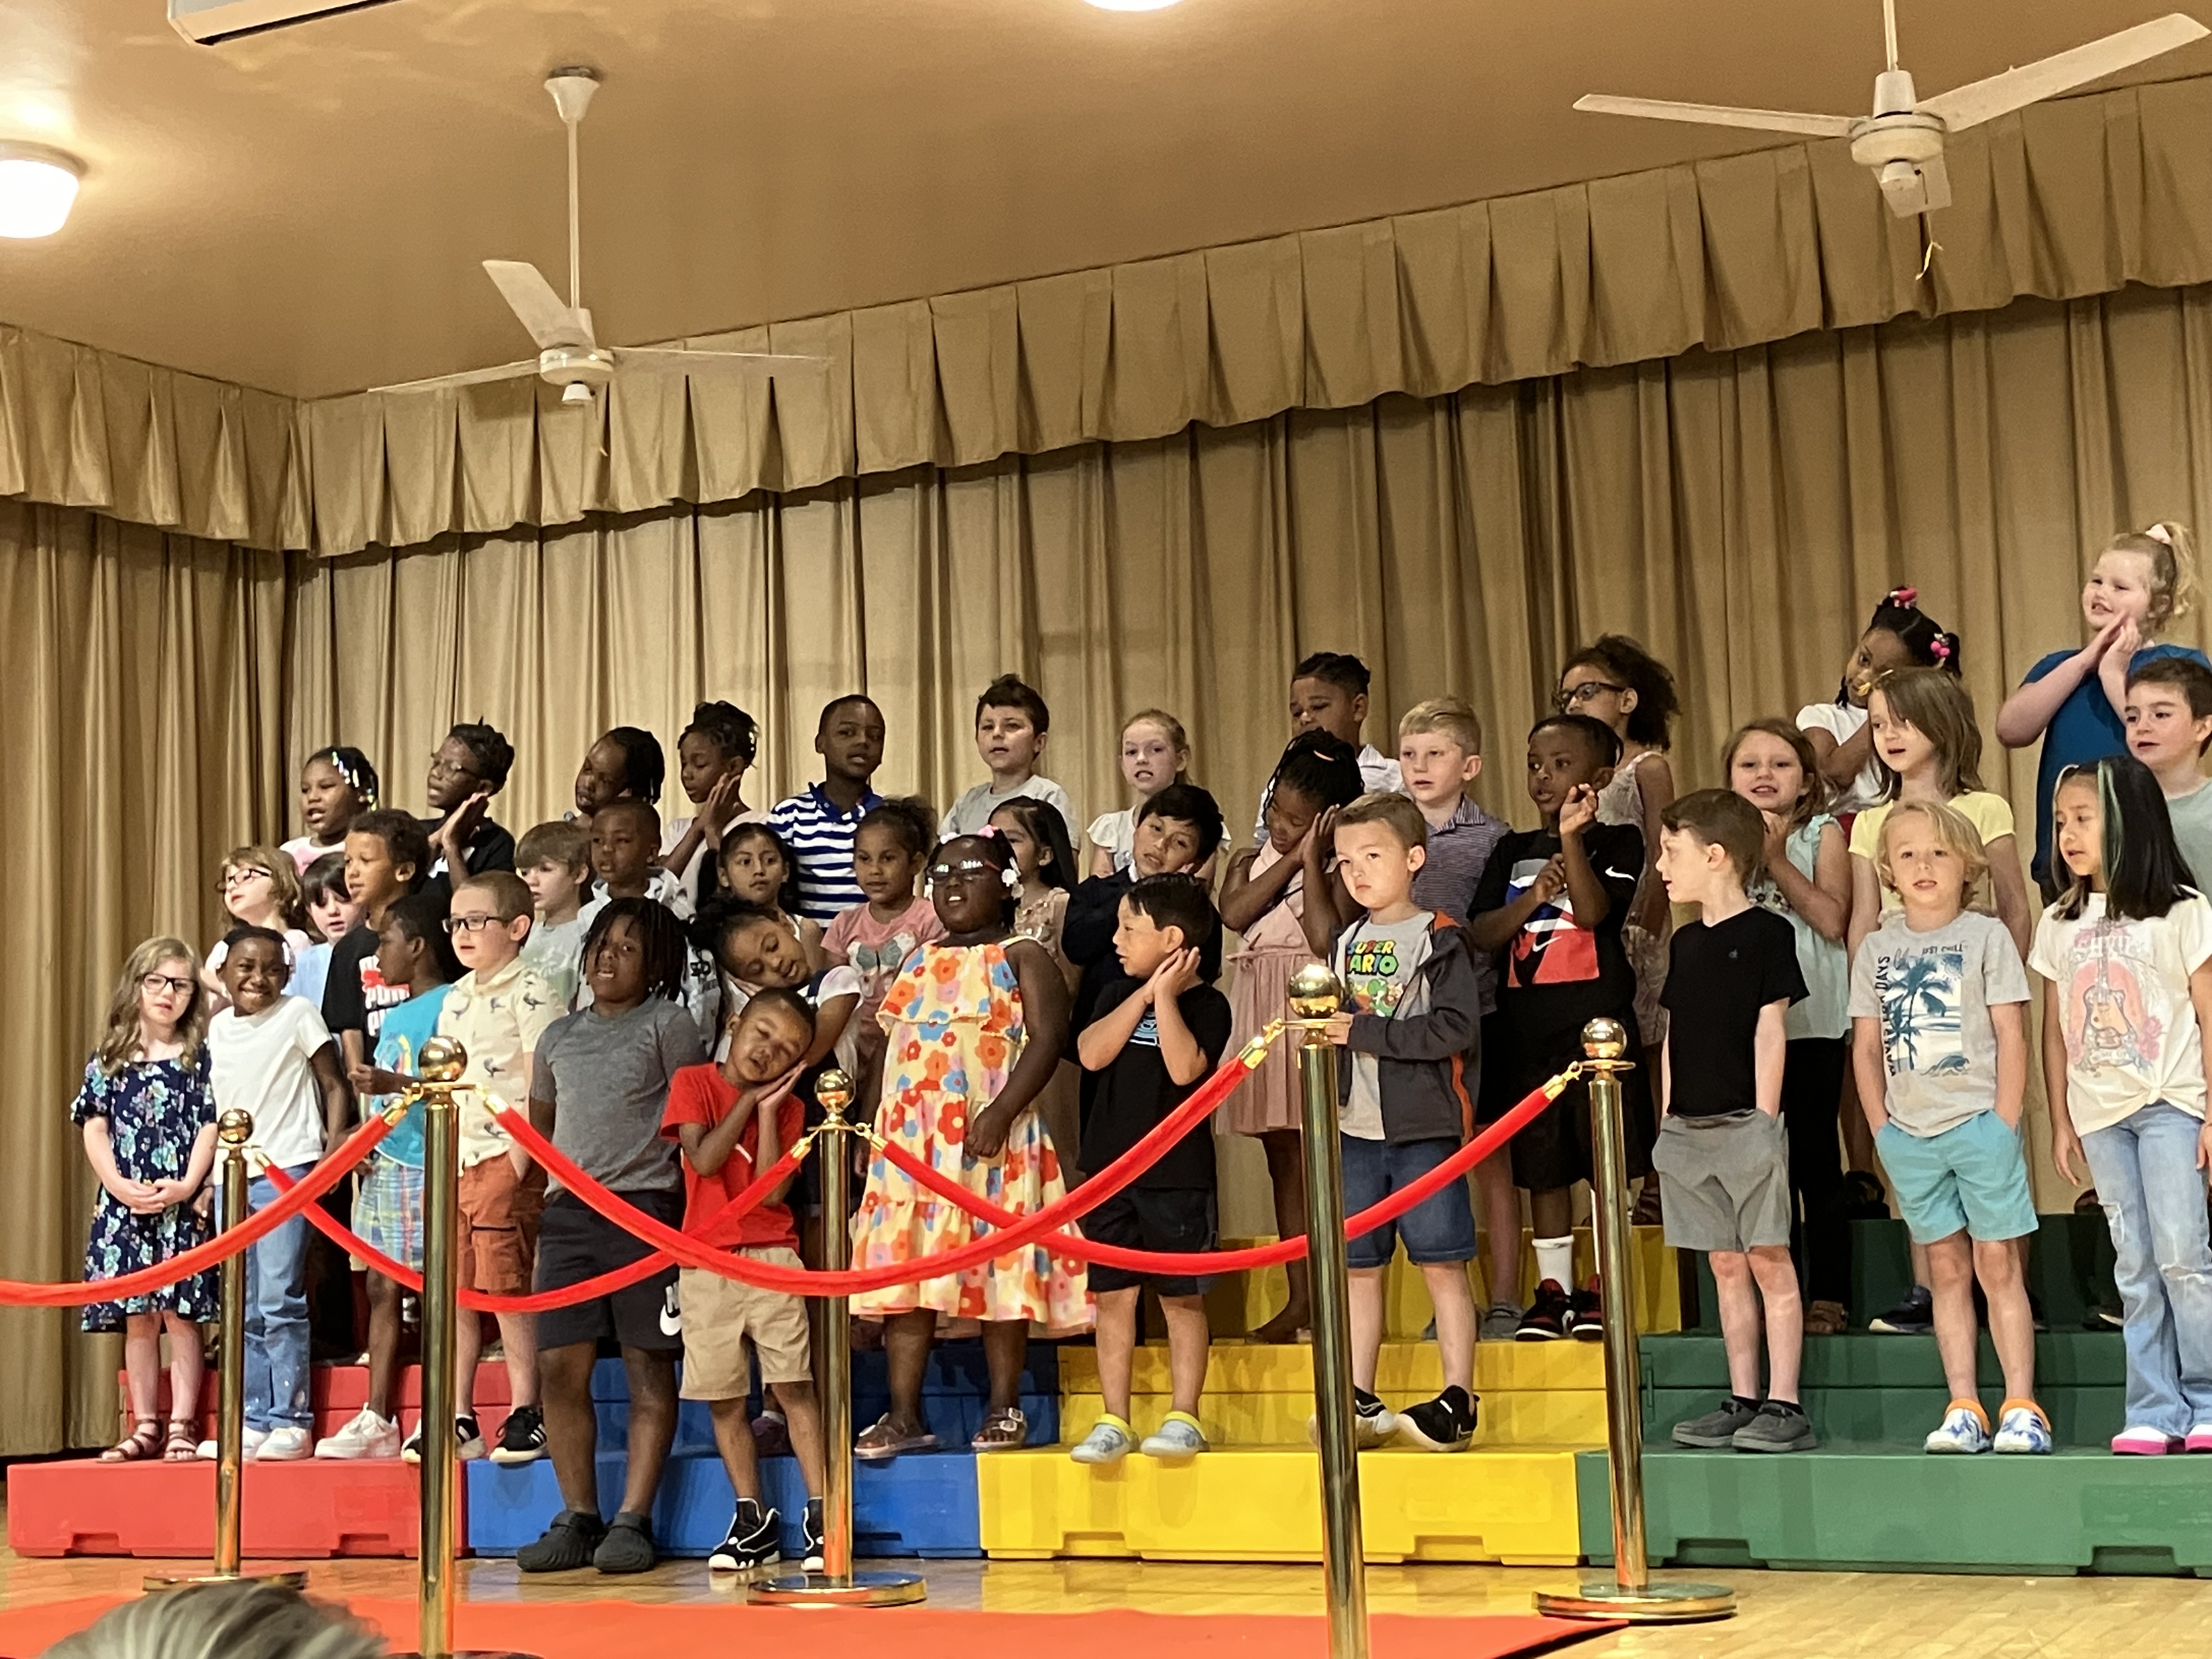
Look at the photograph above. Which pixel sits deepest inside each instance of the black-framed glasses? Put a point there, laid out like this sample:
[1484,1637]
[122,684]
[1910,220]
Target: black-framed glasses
[1566,701]
[442,768]
[239,875]
[155,982]
[468,924]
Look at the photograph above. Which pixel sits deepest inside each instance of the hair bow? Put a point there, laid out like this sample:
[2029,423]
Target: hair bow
[2158,533]
[1904,597]
[1940,648]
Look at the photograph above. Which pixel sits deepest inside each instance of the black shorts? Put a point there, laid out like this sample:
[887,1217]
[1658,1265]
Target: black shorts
[1178,1219]
[1552,1151]
[576,1243]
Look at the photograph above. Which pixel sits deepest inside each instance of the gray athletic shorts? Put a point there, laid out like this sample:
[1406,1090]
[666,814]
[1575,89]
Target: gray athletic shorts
[1724,1181]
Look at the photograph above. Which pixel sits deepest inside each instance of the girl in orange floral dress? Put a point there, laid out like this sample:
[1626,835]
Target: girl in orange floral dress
[977,1023]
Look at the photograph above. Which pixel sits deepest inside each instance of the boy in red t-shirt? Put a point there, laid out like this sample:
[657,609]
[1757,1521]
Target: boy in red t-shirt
[734,1121]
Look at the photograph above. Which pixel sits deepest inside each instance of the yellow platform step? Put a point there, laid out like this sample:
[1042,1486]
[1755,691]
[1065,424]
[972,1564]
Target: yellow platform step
[1514,1507]
[1543,1394]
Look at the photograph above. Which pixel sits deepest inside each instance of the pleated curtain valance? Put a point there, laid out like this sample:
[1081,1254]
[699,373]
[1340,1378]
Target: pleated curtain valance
[2067,199]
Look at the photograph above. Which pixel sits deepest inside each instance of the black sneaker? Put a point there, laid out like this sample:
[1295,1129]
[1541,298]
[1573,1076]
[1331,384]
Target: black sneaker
[567,1545]
[810,1528]
[468,1442]
[627,1546]
[522,1440]
[1445,1424]
[1914,1316]
[1373,1422]
[1586,1315]
[1550,1312]
[754,1541]
[1780,1426]
[1717,1430]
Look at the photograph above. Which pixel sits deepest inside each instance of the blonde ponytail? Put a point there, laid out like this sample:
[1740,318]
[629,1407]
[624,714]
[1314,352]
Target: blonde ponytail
[2171,552]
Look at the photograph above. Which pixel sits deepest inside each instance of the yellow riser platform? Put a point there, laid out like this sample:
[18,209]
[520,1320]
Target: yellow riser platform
[1518,1418]
[1516,1508]
[1243,1301]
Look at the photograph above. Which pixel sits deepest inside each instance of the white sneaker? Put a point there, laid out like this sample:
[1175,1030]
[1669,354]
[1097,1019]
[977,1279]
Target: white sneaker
[1179,1438]
[252,1445]
[367,1436]
[288,1444]
[1964,1431]
[1109,1442]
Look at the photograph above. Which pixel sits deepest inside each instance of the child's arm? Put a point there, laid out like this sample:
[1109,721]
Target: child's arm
[1840,764]
[1184,1056]
[768,1149]
[1770,1050]
[1824,900]
[1102,860]
[1102,1041]
[1326,905]
[1666,1078]
[1866,1067]
[1044,1014]
[2065,1144]
[1246,898]
[2028,712]
[1655,783]
[830,1020]
[1866,903]
[1585,889]
[708,1149]
[810,941]
[1094,910]
[2009,888]
[1490,931]
[337,1094]
[139,1197]
[2009,1021]
[202,1161]
[724,801]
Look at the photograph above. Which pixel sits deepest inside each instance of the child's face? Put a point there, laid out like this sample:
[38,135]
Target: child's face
[766,1041]
[1377,867]
[1161,843]
[1008,742]
[602,778]
[1766,772]
[165,994]
[884,866]
[398,952]
[1321,704]
[1877,652]
[1928,875]
[1141,944]
[1031,854]
[1291,812]
[249,892]
[2161,732]
[334,914]
[372,877]
[484,940]
[1586,689]
[1436,770]
[764,952]
[327,801]
[2118,589]
[1903,746]
[1561,760]
[701,764]
[553,885]
[753,868]
[966,883]
[453,778]
[851,741]
[254,974]
[617,969]
[623,847]
[2077,827]
[1693,868]
[1150,759]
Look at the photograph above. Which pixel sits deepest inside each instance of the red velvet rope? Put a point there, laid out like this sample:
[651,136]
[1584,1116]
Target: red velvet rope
[20,1293]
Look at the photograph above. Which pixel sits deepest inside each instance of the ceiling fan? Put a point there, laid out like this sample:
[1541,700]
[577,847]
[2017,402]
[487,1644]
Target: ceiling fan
[568,355]
[1903,140]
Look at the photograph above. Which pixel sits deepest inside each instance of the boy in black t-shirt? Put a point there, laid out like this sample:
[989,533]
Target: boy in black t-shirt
[1158,1033]
[1551,904]
[1723,1159]
[386,855]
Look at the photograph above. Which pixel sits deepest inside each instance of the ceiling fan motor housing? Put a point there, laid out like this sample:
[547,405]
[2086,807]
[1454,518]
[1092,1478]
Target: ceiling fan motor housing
[571,367]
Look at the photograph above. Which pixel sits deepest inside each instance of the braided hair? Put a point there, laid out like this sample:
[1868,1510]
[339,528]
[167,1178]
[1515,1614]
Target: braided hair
[1924,640]
[661,938]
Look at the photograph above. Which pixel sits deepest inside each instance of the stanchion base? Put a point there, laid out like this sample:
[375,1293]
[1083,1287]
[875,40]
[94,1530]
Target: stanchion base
[156,1582]
[475,1653]
[1655,1604]
[819,1589]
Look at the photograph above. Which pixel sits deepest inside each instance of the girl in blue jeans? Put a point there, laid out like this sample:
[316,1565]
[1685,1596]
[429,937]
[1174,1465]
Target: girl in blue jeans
[2127,953]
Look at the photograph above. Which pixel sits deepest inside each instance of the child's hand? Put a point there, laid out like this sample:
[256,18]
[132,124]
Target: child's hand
[987,1131]
[1321,840]
[1579,812]
[2093,655]
[203,1206]
[2204,1147]
[1177,975]
[460,826]
[2120,655]
[2066,1150]
[1551,881]
[1778,840]
[721,807]
[774,1093]
[1338,1031]
[172,1193]
[142,1197]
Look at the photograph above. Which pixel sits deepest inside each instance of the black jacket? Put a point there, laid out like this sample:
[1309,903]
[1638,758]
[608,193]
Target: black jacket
[1423,1058]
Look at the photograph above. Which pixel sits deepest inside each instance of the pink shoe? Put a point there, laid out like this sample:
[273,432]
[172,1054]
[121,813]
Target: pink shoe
[2149,1443]
[2200,1438]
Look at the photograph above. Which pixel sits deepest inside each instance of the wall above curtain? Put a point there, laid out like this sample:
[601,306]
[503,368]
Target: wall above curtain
[2068,199]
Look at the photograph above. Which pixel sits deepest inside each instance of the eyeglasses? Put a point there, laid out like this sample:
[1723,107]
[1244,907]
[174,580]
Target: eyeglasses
[155,984]
[1566,701]
[239,877]
[442,768]
[469,923]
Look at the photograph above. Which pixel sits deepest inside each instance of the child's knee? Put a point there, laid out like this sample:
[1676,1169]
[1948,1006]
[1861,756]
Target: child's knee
[1996,1264]
[798,1395]
[1729,1266]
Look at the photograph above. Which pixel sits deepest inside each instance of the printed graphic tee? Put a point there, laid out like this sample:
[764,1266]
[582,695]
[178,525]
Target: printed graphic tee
[2131,1031]
[1377,961]
[1933,993]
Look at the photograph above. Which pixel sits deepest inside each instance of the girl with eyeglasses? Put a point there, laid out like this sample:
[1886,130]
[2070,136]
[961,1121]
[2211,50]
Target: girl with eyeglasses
[259,887]
[146,1113]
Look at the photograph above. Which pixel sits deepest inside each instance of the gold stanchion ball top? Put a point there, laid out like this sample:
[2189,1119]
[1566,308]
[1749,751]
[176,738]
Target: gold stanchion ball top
[443,1060]
[234,1128]
[1605,1039]
[1314,993]
[834,1091]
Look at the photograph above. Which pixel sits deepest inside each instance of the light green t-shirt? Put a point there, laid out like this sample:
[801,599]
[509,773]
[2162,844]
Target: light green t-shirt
[2193,827]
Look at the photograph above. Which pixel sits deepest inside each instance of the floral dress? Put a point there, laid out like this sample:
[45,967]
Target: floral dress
[155,1109]
[954,1020]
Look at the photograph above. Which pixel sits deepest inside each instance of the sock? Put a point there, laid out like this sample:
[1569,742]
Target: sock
[1746,1401]
[1555,1261]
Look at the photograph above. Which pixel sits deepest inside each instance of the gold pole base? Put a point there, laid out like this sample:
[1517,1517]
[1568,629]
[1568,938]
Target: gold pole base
[157,1582]
[819,1589]
[475,1653]
[1655,1604]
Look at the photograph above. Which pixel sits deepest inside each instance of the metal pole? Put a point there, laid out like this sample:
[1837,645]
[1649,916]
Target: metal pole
[837,1584]
[1315,997]
[232,1130]
[1632,1595]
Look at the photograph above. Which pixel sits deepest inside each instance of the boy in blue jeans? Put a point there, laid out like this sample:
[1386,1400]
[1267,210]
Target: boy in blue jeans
[1411,1017]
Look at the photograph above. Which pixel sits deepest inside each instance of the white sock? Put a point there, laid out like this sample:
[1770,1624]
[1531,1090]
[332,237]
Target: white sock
[1555,1261]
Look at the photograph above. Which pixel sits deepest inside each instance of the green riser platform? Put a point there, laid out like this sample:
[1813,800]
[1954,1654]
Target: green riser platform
[1894,1509]
[2079,1416]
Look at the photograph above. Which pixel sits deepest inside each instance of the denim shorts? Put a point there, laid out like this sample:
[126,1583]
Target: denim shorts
[1440,1228]
[1973,1175]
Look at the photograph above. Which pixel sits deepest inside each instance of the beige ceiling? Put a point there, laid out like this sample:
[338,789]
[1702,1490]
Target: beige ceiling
[304,211]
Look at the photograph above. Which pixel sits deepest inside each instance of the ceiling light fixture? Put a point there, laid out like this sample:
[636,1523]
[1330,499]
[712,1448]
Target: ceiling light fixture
[37,187]
[1131,5]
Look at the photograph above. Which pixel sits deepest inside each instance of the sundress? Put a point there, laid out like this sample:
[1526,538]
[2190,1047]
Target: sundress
[954,1021]
[1621,802]
[1274,949]
[155,1109]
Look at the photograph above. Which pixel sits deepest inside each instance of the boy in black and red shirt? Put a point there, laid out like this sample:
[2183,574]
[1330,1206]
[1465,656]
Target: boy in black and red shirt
[735,1121]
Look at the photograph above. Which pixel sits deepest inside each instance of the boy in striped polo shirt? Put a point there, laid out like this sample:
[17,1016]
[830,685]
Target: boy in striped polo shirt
[818,824]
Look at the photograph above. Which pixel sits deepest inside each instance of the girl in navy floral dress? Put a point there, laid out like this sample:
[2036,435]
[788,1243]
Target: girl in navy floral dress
[147,1110]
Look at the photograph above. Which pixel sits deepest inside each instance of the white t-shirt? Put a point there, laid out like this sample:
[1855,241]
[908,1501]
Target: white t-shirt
[261,1065]
[1116,832]
[2131,1032]
[974,808]
[1842,722]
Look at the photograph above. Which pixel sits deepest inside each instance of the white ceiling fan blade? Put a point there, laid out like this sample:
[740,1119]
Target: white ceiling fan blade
[672,361]
[467,377]
[1935,184]
[534,301]
[1984,101]
[1719,115]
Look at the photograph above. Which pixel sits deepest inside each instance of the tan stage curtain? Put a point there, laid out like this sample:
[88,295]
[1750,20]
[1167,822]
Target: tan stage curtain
[144,676]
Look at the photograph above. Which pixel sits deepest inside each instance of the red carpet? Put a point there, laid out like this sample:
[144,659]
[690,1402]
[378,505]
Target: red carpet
[572,1630]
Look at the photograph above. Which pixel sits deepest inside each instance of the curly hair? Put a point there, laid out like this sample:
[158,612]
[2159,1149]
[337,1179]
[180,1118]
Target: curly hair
[1626,663]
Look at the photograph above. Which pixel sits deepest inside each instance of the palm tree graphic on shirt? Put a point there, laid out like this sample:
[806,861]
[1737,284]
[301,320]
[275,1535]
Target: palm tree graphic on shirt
[1920,1029]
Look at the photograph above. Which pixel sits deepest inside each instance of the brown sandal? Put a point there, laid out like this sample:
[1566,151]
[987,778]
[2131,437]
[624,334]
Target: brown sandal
[141,1444]
[882,1439]
[1826,1318]
[183,1443]
[1002,1430]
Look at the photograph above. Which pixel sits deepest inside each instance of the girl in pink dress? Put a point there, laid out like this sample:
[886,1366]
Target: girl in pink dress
[874,938]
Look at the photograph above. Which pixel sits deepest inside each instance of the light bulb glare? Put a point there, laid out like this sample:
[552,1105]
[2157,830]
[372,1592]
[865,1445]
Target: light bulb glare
[1133,5]
[37,188]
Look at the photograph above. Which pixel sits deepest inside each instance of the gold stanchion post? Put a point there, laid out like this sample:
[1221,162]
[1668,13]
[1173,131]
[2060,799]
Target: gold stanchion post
[1316,997]
[232,1130]
[1632,1595]
[837,1584]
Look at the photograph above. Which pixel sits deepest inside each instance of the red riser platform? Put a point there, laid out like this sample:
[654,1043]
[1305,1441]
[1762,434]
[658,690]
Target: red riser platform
[338,1393]
[166,1510]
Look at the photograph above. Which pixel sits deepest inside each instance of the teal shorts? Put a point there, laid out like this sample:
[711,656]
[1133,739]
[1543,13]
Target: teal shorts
[1972,1176]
